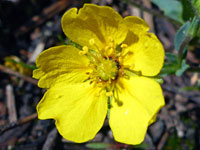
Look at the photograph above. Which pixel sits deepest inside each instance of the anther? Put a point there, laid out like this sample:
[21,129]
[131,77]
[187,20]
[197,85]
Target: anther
[110,39]
[84,50]
[109,81]
[113,78]
[124,46]
[91,41]
[109,93]
[120,59]
[131,67]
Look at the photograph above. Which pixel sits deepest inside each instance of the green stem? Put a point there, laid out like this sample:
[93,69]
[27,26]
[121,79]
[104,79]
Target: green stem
[182,47]
[194,9]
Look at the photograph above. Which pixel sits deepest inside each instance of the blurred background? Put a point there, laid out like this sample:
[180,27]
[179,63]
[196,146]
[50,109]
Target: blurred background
[27,27]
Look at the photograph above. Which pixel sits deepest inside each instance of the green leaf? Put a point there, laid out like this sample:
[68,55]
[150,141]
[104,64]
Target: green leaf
[196,4]
[159,80]
[182,69]
[170,66]
[97,145]
[177,68]
[194,27]
[174,65]
[171,57]
[141,146]
[188,12]
[61,39]
[190,88]
[171,8]
[29,66]
[181,34]
[169,69]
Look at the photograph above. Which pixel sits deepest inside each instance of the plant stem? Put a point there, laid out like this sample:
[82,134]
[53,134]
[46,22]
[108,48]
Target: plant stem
[17,74]
[182,47]
[194,9]
[18,123]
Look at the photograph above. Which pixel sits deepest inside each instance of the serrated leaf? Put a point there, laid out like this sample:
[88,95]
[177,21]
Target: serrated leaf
[181,34]
[171,8]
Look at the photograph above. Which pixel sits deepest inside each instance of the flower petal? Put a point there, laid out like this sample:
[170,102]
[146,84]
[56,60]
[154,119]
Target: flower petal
[139,99]
[148,54]
[79,110]
[63,63]
[100,23]
[136,24]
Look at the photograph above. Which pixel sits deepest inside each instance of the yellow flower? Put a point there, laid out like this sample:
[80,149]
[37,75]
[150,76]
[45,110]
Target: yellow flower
[114,69]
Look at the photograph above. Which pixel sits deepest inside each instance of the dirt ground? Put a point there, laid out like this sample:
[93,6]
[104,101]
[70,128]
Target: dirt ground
[27,27]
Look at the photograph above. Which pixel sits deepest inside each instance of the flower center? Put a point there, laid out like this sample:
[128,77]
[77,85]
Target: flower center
[107,69]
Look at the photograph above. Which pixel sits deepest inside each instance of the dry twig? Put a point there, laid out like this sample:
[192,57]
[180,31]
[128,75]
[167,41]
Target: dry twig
[46,14]
[147,16]
[163,140]
[18,123]
[39,48]
[17,74]
[12,113]
[48,145]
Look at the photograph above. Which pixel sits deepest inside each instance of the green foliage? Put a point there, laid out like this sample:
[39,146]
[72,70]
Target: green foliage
[173,143]
[181,35]
[177,64]
[176,143]
[159,80]
[98,145]
[196,4]
[171,8]
[173,66]
[191,88]
[61,39]
[182,68]
[194,27]
[140,146]
[29,66]
[170,65]
[188,12]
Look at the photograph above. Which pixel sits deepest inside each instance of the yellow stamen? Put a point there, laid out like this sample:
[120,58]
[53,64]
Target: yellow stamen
[109,93]
[124,46]
[110,39]
[91,41]
[131,67]
[84,50]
